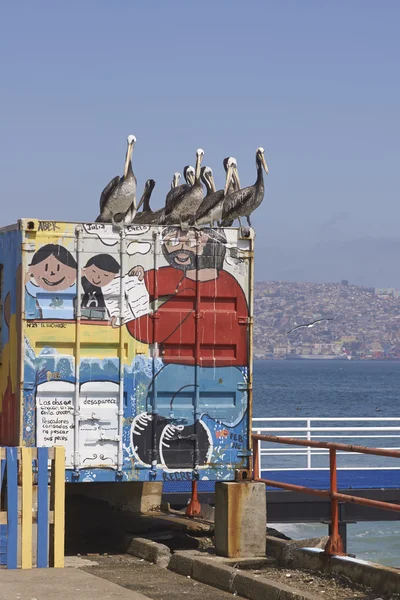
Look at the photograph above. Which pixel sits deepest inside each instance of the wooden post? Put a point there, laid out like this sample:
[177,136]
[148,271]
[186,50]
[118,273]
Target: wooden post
[57,504]
[26,508]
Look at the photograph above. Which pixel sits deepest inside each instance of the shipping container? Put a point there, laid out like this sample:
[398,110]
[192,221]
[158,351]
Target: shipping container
[130,348]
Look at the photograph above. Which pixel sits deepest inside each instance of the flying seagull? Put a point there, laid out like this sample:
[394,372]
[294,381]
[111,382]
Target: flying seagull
[309,325]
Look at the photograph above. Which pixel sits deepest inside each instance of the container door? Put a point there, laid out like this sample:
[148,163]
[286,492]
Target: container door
[98,424]
[55,416]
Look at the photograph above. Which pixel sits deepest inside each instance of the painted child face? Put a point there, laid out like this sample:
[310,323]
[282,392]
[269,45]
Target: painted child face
[96,276]
[52,275]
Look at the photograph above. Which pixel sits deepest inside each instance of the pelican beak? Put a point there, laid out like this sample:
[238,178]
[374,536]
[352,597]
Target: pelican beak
[191,177]
[211,181]
[264,164]
[199,158]
[140,202]
[235,175]
[229,175]
[128,158]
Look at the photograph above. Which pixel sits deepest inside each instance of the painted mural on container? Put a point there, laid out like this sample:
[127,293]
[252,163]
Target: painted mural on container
[136,350]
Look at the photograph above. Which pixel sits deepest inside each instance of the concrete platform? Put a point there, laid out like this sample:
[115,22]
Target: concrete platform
[52,584]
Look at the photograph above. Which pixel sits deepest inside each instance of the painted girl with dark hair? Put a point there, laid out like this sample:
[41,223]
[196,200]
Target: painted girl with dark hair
[51,284]
[98,272]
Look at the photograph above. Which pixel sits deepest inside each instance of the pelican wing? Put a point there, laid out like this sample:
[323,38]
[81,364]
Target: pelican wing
[233,203]
[208,203]
[174,196]
[106,193]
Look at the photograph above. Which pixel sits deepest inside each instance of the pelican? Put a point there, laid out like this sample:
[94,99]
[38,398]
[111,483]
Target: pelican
[210,209]
[185,205]
[234,186]
[243,202]
[176,190]
[145,215]
[176,178]
[120,194]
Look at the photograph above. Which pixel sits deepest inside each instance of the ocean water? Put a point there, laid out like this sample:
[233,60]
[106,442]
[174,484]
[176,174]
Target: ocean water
[330,388]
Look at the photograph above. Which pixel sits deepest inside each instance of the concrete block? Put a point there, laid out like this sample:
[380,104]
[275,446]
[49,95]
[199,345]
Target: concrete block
[136,497]
[240,519]
[182,564]
[260,588]
[154,552]
[216,575]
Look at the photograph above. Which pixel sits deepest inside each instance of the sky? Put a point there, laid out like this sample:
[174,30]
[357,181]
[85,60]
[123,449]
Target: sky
[315,83]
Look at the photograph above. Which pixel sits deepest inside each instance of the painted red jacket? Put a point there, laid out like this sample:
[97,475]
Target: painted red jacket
[222,319]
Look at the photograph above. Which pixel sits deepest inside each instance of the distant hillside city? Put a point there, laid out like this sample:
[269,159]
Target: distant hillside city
[366,321]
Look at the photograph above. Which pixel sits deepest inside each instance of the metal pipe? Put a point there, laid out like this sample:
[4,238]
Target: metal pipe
[334,544]
[21,345]
[315,444]
[154,316]
[327,494]
[122,250]
[194,506]
[250,346]
[78,313]
[368,502]
[197,359]
[256,460]
[294,488]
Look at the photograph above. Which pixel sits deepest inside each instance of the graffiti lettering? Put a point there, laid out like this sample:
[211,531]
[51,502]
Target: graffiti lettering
[94,226]
[178,476]
[237,438]
[48,226]
[137,228]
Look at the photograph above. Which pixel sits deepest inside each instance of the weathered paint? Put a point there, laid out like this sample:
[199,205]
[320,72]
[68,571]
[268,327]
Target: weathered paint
[25,466]
[162,395]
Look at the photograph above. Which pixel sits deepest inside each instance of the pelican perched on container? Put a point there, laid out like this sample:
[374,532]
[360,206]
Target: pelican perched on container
[119,196]
[210,210]
[177,190]
[146,214]
[185,205]
[243,202]
[176,178]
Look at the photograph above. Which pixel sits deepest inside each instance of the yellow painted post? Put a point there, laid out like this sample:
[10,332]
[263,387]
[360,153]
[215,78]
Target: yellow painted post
[26,508]
[58,507]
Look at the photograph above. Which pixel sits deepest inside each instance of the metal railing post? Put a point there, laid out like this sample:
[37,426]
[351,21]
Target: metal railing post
[334,545]
[256,459]
[309,447]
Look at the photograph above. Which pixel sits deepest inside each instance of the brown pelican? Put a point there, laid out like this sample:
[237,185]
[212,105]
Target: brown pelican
[177,190]
[185,205]
[176,178]
[145,215]
[118,195]
[210,209]
[243,202]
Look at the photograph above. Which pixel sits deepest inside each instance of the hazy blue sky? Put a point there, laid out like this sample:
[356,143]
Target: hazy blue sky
[314,82]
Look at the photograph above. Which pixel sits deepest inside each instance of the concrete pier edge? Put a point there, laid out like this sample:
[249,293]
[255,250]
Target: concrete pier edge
[215,571]
[381,579]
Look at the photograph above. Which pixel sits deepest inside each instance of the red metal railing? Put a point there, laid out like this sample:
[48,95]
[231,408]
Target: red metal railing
[334,545]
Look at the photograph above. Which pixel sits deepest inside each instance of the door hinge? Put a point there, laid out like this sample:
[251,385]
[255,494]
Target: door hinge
[244,453]
[245,320]
[28,247]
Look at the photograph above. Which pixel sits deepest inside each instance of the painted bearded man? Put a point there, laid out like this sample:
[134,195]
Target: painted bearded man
[199,330]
